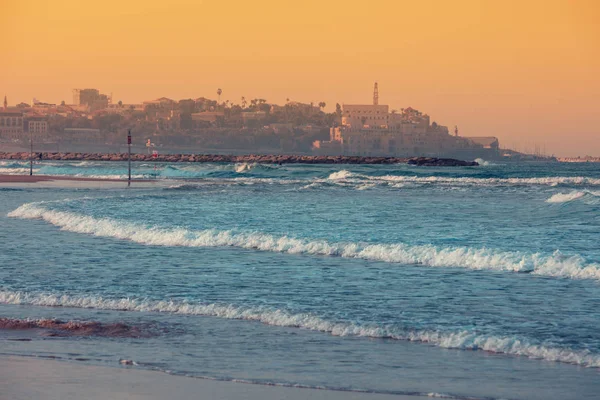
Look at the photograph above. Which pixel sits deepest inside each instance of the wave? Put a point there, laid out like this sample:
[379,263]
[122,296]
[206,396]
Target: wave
[565,197]
[465,340]
[574,195]
[246,167]
[344,175]
[13,164]
[15,171]
[555,265]
[484,163]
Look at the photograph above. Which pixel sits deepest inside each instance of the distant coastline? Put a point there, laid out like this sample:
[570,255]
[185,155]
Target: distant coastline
[579,159]
[250,158]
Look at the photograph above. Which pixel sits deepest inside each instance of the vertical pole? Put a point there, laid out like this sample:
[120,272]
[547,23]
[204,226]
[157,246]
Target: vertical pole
[30,153]
[129,156]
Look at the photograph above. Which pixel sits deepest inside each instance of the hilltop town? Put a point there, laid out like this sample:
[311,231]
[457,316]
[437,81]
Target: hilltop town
[93,122]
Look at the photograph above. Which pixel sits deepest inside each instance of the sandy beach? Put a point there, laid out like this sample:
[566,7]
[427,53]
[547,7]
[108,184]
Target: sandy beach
[23,378]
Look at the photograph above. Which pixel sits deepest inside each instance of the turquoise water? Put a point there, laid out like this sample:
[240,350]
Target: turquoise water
[478,282]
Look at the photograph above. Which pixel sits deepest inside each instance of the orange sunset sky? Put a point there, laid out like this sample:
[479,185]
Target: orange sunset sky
[524,71]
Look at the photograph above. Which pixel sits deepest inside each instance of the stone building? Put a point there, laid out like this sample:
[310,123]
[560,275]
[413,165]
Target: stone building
[374,130]
[11,124]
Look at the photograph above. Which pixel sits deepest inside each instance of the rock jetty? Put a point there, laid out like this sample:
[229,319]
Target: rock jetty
[250,158]
[440,162]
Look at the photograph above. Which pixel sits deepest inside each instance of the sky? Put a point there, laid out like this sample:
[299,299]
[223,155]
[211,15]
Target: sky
[527,72]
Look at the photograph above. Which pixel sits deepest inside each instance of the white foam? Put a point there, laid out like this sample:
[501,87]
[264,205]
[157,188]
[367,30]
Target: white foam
[243,167]
[276,317]
[483,162]
[551,181]
[339,175]
[347,176]
[556,265]
[365,186]
[15,171]
[574,195]
[565,197]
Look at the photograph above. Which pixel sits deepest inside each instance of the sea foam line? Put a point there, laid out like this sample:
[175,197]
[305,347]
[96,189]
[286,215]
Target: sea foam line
[344,175]
[465,340]
[555,265]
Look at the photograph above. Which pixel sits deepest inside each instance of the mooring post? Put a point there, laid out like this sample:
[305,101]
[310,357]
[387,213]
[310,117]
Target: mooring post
[129,157]
[30,153]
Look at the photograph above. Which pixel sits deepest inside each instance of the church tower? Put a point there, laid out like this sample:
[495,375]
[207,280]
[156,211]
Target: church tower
[5,102]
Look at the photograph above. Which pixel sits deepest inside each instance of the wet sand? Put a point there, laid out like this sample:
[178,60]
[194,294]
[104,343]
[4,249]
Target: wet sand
[24,378]
[45,178]
[24,181]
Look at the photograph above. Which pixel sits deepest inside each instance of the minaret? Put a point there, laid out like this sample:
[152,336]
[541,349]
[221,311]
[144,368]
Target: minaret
[375,95]
[455,130]
[5,102]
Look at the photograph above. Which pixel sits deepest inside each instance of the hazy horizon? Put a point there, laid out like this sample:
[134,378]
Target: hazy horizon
[523,72]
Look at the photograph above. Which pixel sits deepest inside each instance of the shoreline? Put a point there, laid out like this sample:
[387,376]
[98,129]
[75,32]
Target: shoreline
[23,377]
[72,182]
[47,178]
[250,158]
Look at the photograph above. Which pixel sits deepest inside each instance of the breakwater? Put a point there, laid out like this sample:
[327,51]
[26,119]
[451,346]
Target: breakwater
[249,158]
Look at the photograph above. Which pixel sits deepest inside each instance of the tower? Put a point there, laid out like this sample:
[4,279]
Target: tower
[375,95]
[5,102]
[455,130]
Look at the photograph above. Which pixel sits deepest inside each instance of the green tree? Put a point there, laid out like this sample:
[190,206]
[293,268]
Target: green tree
[338,110]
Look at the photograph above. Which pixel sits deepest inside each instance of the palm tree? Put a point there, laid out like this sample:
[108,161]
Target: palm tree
[244,102]
[219,91]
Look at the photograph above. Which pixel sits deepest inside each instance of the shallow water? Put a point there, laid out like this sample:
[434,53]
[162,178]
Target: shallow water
[474,282]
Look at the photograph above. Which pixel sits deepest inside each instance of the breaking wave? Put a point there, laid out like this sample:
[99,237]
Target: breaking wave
[247,167]
[14,171]
[466,340]
[345,175]
[574,195]
[485,163]
[555,265]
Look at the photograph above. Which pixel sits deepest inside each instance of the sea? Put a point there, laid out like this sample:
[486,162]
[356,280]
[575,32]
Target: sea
[461,283]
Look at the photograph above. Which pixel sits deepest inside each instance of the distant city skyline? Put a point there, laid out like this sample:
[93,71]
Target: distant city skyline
[527,77]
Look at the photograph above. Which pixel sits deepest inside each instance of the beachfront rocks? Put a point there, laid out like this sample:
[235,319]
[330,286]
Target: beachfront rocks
[250,158]
[440,162]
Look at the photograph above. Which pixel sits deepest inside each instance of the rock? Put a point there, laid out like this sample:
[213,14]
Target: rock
[440,162]
[250,158]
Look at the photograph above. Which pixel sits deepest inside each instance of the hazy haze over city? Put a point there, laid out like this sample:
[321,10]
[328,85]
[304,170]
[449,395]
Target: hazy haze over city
[525,72]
